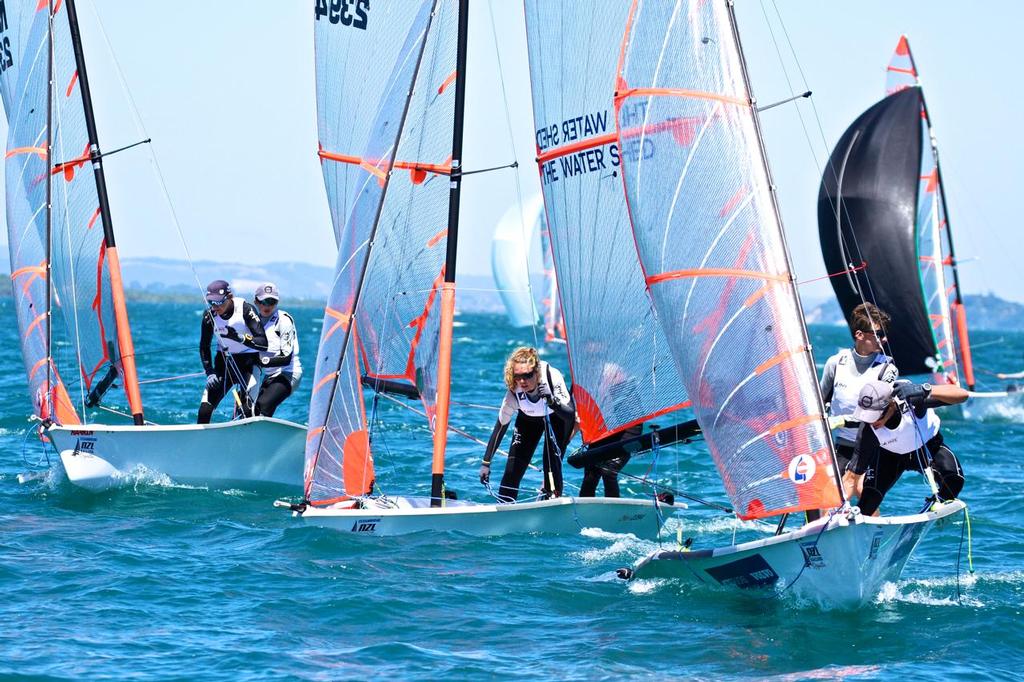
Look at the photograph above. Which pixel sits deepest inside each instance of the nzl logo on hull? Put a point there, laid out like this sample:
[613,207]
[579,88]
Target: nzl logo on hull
[365,525]
[85,446]
[812,557]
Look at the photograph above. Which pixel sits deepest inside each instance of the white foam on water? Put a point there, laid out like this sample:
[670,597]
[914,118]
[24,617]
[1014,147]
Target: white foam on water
[904,592]
[645,585]
[142,477]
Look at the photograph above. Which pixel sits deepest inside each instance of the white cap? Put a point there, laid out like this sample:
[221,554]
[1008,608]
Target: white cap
[872,401]
[267,290]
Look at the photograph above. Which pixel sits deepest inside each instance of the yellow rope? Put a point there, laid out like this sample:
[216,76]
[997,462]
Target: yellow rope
[970,558]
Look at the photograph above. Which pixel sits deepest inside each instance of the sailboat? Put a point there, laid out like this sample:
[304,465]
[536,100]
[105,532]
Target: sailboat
[881,207]
[554,325]
[73,321]
[391,149]
[510,249]
[709,235]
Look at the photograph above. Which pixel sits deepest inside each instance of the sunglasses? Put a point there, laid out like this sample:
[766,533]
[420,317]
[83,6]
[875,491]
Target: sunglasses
[524,377]
[881,335]
[269,302]
[216,304]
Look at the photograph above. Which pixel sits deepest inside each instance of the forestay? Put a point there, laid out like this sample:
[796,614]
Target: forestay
[385,172]
[622,369]
[711,243]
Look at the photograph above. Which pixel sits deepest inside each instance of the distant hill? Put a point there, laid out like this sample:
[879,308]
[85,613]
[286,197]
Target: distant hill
[984,311]
[163,279]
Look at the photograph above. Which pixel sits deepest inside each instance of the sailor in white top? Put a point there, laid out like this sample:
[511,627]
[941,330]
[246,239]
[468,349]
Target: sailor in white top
[849,369]
[540,402]
[279,364]
[900,433]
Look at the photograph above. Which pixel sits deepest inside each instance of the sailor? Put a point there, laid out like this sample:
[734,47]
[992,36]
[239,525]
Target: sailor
[540,401]
[900,432]
[279,364]
[621,390]
[240,338]
[849,369]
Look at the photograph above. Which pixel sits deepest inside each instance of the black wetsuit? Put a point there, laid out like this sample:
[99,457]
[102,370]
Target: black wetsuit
[229,369]
[556,427]
[608,471]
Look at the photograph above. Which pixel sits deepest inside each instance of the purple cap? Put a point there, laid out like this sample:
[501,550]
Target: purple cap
[217,290]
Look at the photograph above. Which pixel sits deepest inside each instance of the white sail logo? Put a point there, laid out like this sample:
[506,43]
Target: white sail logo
[801,469]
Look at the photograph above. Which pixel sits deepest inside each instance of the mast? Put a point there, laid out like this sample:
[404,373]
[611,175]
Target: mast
[444,361]
[961,318]
[785,245]
[124,337]
[51,408]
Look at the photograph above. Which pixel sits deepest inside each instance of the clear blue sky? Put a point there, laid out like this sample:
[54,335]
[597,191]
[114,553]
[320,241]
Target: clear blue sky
[226,91]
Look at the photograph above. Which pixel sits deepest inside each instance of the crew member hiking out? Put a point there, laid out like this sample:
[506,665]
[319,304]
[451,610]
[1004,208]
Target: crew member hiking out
[240,338]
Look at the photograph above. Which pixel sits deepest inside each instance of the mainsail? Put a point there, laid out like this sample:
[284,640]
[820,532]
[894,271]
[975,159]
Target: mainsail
[882,203]
[622,369]
[711,243]
[63,259]
[386,171]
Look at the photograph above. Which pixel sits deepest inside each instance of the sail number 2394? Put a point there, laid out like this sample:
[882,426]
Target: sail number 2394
[345,12]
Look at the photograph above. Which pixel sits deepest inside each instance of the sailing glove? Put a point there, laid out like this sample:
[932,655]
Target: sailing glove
[915,394]
[211,381]
[545,392]
[485,473]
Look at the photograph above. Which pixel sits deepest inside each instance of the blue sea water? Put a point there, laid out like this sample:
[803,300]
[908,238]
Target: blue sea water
[162,580]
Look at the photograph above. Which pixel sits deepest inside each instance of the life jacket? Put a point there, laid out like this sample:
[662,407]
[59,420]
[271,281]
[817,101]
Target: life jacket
[912,433]
[846,389]
[236,322]
[281,339]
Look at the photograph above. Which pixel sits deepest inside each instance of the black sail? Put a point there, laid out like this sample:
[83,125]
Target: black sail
[867,209]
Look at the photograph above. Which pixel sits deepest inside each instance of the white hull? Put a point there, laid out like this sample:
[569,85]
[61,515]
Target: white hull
[563,515]
[256,450]
[845,565]
[996,406]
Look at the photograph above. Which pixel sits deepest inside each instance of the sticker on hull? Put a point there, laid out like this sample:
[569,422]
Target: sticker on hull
[752,571]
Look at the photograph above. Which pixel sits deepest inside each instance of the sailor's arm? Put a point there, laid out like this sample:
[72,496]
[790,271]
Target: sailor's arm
[205,338]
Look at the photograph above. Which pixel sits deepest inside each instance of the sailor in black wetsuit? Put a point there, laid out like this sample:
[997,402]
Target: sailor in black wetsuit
[240,338]
[280,364]
[540,401]
[900,432]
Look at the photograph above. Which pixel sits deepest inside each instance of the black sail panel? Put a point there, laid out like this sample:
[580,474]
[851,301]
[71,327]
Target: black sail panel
[867,209]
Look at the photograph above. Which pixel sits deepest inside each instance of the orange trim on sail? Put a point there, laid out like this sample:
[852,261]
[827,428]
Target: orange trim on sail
[71,84]
[781,357]
[343,320]
[433,241]
[896,69]
[380,168]
[793,423]
[323,381]
[682,92]
[579,146]
[92,221]
[313,433]
[68,167]
[713,272]
[38,270]
[38,151]
[38,320]
[447,81]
